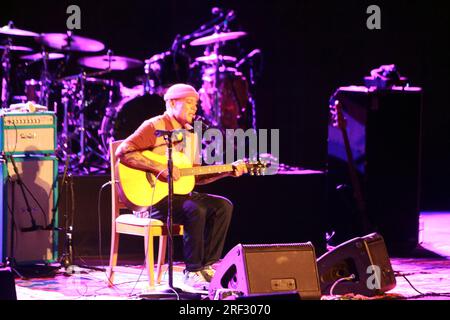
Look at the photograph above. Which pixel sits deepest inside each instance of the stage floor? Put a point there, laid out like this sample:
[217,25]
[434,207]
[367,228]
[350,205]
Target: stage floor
[428,271]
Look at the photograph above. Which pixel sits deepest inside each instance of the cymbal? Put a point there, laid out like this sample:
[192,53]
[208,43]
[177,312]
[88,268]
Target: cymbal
[17,48]
[39,56]
[60,41]
[11,31]
[106,62]
[218,37]
[214,58]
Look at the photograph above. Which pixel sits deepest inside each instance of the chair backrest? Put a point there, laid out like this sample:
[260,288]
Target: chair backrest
[115,201]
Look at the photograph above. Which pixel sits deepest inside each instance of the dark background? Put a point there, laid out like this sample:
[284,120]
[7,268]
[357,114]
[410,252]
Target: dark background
[310,48]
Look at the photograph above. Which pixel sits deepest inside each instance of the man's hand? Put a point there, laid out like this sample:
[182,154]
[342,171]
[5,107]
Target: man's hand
[175,174]
[239,168]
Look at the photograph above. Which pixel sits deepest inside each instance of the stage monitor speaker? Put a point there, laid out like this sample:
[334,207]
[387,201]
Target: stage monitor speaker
[366,258]
[18,240]
[7,285]
[268,268]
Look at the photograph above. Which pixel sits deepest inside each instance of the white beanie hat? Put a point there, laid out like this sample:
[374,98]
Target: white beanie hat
[180,90]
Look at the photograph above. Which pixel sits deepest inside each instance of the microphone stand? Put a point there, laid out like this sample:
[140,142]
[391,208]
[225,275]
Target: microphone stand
[10,260]
[170,293]
[6,79]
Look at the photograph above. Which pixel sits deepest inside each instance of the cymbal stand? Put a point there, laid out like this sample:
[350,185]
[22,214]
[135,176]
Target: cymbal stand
[6,80]
[109,112]
[217,112]
[82,104]
[45,79]
[251,98]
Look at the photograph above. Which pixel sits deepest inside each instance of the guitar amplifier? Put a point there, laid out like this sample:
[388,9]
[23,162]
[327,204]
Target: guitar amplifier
[28,133]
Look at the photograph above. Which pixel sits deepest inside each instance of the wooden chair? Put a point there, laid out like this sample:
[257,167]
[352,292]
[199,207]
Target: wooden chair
[132,225]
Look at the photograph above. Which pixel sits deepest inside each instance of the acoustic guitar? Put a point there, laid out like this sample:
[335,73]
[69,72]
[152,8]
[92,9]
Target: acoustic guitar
[139,190]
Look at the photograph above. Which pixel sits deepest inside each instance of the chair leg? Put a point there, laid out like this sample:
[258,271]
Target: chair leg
[113,258]
[149,260]
[161,258]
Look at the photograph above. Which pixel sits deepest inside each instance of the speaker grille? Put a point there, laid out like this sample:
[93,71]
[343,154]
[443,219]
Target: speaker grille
[39,178]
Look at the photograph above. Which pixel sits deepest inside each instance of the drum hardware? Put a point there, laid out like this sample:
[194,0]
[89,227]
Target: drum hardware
[69,42]
[16,48]
[110,62]
[35,57]
[216,38]
[219,22]
[6,68]
[223,92]
[11,30]
[80,143]
[165,69]
[213,58]
[87,101]
[249,58]
[6,79]
[214,107]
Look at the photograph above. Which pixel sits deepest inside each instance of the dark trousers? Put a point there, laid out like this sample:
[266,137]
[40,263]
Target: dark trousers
[206,219]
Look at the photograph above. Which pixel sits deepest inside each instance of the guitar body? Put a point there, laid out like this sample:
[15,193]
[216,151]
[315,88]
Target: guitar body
[137,188]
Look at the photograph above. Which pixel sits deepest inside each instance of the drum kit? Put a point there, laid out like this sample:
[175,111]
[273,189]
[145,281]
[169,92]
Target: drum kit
[93,107]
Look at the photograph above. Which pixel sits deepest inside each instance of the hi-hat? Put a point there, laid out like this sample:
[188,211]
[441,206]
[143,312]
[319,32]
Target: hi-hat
[40,56]
[218,37]
[11,31]
[215,58]
[17,48]
[107,62]
[65,42]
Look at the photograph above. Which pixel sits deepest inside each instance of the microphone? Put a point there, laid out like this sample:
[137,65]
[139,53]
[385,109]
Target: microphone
[248,56]
[187,128]
[203,121]
[230,15]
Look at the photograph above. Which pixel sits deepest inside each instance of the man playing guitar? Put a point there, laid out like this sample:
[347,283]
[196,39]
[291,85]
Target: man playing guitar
[205,217]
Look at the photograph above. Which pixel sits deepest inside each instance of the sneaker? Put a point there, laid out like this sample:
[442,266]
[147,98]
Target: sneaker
[196,280]
[208,273]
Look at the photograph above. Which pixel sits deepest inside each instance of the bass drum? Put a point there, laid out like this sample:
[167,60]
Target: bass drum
[124,117]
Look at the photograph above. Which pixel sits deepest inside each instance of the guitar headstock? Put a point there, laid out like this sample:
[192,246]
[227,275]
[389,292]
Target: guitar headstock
[256,168]
[337,116]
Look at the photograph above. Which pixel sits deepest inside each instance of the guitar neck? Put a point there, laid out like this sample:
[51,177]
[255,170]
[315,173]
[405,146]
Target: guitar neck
[197,171]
